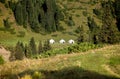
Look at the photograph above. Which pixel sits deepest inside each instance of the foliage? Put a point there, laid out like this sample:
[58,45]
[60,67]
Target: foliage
[3,1]
[83,47]
[85,13]
[97,12]
[40,15]
[109,32]
[37,75]
[94,30]
[7,23]
[70,21]
[117,12]
[82,37]
[27,51]
[32,46]
[21,34]
[46,46]
[18,14]
[19,51]
[40,48]
[1,60]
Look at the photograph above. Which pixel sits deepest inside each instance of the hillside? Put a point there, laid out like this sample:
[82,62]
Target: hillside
[70,16]
[93,64]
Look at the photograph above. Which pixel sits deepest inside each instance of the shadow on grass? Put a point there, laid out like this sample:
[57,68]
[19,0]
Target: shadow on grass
[65,73]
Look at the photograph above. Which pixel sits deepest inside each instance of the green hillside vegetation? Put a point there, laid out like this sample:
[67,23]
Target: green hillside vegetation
[94,64]
[19,21]
[27,25]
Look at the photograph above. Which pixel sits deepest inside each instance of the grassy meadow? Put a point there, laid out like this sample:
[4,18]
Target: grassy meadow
[100,63]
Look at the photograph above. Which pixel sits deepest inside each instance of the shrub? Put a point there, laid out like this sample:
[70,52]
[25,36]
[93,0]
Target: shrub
[3,1]
[21,34]
[70,22]
[85,13]
[83,47]
[37,75]
[7,23]
[1,60]
[96,12]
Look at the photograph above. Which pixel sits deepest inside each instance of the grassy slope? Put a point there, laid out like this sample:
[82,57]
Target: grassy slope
[92,64]
[74,9]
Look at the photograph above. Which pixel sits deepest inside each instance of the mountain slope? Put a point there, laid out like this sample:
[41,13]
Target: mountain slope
[73,15]
[90,64]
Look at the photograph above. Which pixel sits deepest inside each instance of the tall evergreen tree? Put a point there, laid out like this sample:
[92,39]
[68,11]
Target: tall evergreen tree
[109,32]
[19,53]
[38,14]
[47,46]
[81,37]
[117,12]
[19,14]
[40,48]
[28,52]
[33,46]
[94,30]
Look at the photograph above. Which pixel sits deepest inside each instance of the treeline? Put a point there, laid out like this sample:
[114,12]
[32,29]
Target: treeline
[109,31]
[40,15]
[117,12]
[21,51]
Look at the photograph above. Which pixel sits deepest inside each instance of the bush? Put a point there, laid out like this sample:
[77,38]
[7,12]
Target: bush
[1,60]
[96,12]
[37,75]
[83,47]
[21,34]
[7,23]
[70,22]
[85,13]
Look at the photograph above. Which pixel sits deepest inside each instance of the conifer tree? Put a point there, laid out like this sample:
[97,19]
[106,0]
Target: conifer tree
[33,46]
[27,51]
[117,12]
[7,23]
[47,46]
[19,53]
[94,30]
[81,37]
[19,14]
[109,32]
[40,48]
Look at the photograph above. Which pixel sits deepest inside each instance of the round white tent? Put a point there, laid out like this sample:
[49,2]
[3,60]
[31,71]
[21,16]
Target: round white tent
[62,41]
[71,41]
[51,41]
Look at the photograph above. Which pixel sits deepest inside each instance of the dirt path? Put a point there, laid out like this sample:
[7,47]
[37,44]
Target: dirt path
[4,53]
[107,68]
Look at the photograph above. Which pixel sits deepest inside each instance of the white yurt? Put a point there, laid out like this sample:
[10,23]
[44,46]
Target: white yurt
[62,41]
[71,41]
[51,41]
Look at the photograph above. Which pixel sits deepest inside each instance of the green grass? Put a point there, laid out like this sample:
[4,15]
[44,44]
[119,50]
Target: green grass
[73,6]
[84,65]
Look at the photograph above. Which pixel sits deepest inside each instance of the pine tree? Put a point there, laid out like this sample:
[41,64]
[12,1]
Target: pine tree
[19,14]
[109,32]
[47,46]
[3,1]
[7,23]
[28,52]
[19,53]
[40,48]
[94,30]
[33,46]
[81,37]
[117,12]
